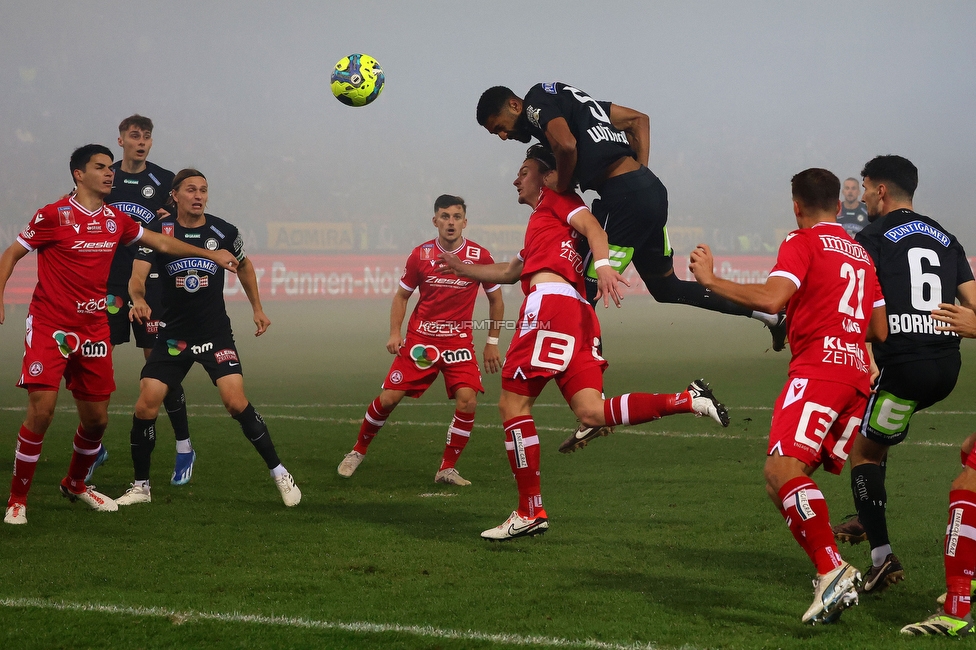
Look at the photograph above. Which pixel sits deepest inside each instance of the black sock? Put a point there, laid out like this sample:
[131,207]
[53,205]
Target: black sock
[871,499]
[257,432]
[175,403]
[670,289]
[142,441]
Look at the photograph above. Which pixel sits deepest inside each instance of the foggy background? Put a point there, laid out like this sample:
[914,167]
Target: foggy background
[741,96]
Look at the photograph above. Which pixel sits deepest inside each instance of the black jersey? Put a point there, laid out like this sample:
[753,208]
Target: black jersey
[919,265]
[853,220]
[598,143]
[193,287]
[140,196]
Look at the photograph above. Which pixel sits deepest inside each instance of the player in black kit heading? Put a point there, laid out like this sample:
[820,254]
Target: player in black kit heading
[920,264]
[141,190]
[605,147]
[195,328]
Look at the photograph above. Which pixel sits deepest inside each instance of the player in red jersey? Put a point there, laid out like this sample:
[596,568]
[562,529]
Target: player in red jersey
[439,339]
[67,329]
[833,302]
[558,337]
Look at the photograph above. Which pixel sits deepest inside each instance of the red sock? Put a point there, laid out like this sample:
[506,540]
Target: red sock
[86,446]
[636,408]
[458,435]
[522,444]
[960,551]
[372,423]
[805,511]
[27,453]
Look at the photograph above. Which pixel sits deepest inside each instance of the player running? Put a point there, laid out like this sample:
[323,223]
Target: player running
[605,147]
[195,328]
[439,339]
[919,266]
[558,337]
[67,332]
[834,304]
[141,189]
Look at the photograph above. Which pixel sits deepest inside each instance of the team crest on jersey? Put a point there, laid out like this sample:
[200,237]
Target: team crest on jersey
[473,253]
[427,252]
[35,369]
[424,355]
[211,244]
[111,226]
[148,191]
[66,216]
[168,229]
[549,88]
[192,281]
[533,116]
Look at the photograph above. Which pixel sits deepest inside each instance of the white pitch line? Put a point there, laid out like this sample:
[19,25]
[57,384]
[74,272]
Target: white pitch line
[424,631]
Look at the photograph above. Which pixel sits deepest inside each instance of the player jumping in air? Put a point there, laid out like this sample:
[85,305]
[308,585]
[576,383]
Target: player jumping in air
[67,332]
[558,337]
[834,305]
[605,147]
[439,339]
[195,328]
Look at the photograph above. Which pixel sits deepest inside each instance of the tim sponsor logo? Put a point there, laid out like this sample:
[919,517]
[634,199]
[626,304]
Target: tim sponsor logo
[94,349]
[200,349]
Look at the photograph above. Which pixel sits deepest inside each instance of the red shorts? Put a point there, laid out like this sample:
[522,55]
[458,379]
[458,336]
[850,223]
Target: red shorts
[815,420]
[558,337]
[420,359]
[83,358]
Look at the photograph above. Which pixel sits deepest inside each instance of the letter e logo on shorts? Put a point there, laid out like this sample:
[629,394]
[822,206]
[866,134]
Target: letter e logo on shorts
[553,350]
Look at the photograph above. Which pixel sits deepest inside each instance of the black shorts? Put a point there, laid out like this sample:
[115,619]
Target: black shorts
[171,359]
[633,210]
[119,324]
[903,389]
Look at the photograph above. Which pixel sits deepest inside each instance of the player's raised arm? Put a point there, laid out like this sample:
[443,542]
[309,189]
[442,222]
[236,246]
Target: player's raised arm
[637,126]
[172,246]
[608,279]
[249,282]
[14,253]
[770,297]
[563,144]
[498,273]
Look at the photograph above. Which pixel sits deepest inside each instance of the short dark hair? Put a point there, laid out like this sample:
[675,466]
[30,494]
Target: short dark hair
[138,121]
[81,156]
[816,189]
[893,170]
[447,200]
[542,155]
[492,102]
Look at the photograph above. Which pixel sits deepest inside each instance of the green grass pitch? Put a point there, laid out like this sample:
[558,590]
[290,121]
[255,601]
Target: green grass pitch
[661,535]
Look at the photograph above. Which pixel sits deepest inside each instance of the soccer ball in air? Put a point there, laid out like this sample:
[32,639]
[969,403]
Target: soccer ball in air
[357,80]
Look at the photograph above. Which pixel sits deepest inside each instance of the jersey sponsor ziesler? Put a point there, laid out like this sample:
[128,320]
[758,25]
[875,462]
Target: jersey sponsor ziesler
[550,240]
[446,305]
[827,317]
[193,287]
[74,252]
[598,142]
[919,265]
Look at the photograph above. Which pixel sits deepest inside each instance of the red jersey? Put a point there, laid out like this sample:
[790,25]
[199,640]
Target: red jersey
[550,240]
[74,252]
[446,304]
[827,318]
